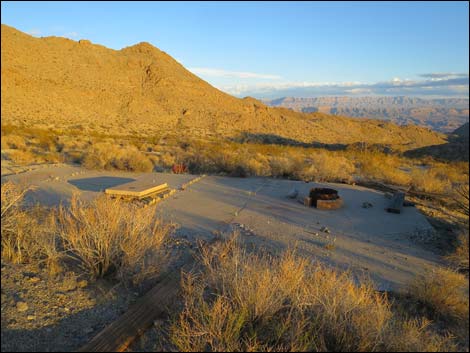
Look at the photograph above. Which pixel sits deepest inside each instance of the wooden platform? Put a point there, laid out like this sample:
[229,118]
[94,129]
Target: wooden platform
[137,189]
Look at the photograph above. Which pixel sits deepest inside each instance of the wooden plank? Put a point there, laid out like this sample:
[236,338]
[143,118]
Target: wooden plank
[117,336]
[136,189]
[396,203]
[308,201]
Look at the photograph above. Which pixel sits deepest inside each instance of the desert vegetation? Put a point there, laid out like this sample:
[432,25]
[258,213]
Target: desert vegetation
[241,301]
[102,238]
[352,163]
[234,300]
[64,103]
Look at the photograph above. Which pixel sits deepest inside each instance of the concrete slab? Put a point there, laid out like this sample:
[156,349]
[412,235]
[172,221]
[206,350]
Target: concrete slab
[57,183]
[368,241]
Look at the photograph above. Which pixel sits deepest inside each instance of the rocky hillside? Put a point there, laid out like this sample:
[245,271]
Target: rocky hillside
[444,114]
[463,131]
[59,82]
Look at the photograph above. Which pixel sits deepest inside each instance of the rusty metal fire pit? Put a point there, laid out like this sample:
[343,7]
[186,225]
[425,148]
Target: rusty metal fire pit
[325,198]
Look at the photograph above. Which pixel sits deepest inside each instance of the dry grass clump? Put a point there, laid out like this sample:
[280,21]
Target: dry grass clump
[444,293]
[284,165]
[462,199]
[257,164]
[103,237]
[248,302]
[460,257]
[382,167]
[22,157]
[110,156]
[14,223]
[430,180]
[108,236]
[27,233]
[328,167]
[14,142]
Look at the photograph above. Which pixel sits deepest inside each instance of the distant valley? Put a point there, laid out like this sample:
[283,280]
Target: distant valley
[442,114]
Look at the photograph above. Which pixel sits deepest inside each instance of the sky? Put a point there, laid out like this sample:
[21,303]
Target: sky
[276,49]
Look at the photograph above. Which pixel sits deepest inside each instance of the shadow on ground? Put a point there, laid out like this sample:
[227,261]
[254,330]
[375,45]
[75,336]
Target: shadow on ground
[98,183]
[272,139]
[455,150]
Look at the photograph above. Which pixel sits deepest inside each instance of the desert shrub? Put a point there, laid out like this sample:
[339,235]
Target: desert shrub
[328,167]
[257,164]
[47,141]
[460,257]
[133,160]
[382,167]
[111,237]
[13,141]
[108,156]
[444,293]
[22,157]
[249,302]
[416,335]
[27,233]
[225,160]
[284,166]
[167,160]
[462,198]
[429,180]
[100,156]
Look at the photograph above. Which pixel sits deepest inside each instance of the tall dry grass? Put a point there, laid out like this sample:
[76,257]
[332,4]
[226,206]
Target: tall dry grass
[105,237]
[459,258]
[14,142]
[111,237]
[249,302]
[462,199]
[27,232]
[444,293]
[102,150]
[430,180]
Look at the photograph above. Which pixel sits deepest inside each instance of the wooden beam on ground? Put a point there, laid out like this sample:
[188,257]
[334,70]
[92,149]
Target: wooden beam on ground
[117,336]
[396,203]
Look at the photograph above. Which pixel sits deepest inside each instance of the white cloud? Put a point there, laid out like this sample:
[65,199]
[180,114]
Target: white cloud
[457,86]
[70,35]
[359,91]
[211,72]
[35,32]
[443,75]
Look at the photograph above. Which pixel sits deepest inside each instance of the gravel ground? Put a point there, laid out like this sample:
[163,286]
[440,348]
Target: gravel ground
[60,313]
[47,313]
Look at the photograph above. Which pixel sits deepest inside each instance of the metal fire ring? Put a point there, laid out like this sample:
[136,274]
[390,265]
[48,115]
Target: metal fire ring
[325,198]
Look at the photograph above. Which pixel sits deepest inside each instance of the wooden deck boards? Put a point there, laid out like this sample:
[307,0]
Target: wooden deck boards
[137,189]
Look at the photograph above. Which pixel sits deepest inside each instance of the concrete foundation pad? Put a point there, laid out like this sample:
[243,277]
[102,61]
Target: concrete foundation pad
[368,241]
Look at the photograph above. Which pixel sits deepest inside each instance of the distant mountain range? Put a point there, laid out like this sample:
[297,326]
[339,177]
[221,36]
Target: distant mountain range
[443,114]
